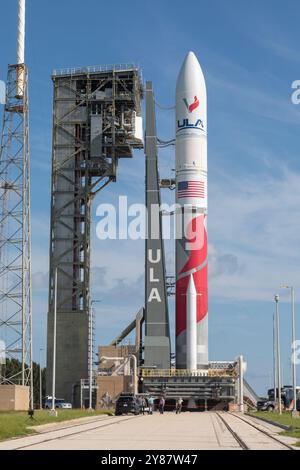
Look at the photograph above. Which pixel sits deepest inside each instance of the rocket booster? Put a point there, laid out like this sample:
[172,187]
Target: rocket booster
[191,217]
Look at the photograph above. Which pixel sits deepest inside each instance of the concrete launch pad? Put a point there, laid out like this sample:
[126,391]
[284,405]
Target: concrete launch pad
[195,431]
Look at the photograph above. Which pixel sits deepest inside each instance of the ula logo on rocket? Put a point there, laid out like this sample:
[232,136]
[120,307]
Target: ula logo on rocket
[185,123]
[193,105]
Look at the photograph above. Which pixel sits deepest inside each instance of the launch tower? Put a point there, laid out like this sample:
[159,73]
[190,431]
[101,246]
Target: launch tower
[96,121]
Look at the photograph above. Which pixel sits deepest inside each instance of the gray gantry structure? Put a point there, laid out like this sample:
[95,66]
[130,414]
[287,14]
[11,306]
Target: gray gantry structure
[157,331]
[96,121]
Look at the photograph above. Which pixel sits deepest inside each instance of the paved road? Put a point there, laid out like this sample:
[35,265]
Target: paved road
[165,432]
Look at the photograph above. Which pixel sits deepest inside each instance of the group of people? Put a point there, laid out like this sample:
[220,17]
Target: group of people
[162,402]
[161,405]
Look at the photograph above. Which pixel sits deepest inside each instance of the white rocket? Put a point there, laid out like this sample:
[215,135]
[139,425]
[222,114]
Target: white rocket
[21,32]
[21,49]
[191,214]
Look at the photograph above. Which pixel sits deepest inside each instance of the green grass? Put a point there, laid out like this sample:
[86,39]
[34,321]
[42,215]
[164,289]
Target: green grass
[16,423]
[285,419]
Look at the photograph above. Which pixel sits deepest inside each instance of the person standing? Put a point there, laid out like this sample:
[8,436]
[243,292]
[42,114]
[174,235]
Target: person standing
[162,403]
[143,405]
[179,405]
[150,404]
[139,405]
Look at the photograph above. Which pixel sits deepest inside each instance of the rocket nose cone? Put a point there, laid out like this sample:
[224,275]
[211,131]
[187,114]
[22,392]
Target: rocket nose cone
[191,58]
[190,72]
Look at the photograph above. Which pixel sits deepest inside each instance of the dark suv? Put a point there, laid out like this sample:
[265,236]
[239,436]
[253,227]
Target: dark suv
[128,404]
[265,405]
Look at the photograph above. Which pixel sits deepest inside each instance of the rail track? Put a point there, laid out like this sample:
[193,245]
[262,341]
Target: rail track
[238,439]
[102,424]
[241,440]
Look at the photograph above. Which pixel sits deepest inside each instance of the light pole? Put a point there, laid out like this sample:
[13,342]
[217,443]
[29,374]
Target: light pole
[91,354]
[295,412]
[53,409]
[276,298]
[241,383]
[41,402]
[274,356]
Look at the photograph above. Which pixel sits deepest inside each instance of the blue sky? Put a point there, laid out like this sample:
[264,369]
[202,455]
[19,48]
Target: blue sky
[248,52]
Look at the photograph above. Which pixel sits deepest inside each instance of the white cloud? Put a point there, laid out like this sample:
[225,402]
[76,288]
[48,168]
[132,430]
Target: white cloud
[221,264]
[256,221]
[262,103]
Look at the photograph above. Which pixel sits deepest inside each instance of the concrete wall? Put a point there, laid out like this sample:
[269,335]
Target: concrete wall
[71,353]
[14,398]
[114,351]
[110,387]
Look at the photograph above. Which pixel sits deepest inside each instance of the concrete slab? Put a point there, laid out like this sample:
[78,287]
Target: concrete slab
[187,431]
[165,432]
[44,428]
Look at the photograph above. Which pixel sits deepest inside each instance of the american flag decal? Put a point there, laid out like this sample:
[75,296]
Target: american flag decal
[191,189]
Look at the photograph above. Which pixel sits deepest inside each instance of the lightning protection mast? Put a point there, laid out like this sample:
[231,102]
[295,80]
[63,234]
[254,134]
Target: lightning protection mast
[15,261]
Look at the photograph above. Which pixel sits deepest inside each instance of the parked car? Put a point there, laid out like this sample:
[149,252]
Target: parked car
[267,405]
[128,404]
[59,403]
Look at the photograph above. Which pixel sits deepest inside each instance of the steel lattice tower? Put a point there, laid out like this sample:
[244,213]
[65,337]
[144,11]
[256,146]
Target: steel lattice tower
[15,260]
